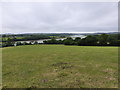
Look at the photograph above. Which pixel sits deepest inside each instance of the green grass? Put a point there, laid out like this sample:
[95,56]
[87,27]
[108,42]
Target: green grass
[59,66]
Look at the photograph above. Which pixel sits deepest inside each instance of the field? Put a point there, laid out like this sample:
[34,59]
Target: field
[59,66]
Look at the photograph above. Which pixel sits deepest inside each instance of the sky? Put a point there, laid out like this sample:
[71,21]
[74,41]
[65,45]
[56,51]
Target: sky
[59,17]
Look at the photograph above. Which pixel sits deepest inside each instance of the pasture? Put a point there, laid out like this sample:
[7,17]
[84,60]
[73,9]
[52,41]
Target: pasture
[59,66]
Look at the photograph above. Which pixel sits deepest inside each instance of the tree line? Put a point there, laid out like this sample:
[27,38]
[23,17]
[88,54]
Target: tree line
[90,40]
[24,38]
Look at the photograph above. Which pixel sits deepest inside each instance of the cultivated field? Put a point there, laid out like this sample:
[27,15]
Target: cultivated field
[59,66]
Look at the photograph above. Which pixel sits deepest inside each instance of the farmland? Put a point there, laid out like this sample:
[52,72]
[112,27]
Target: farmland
[59,66]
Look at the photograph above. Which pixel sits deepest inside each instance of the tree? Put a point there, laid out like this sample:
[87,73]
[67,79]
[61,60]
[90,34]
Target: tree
[35,42]
[69,41]
[52,41]
[90,40]
[113,40]
[19,43]
[103,39]
[9,42]
[77,39]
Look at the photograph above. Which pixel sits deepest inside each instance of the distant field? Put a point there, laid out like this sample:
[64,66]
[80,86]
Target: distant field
[59,66]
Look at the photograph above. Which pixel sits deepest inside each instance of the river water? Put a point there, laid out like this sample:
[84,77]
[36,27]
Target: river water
[41,41]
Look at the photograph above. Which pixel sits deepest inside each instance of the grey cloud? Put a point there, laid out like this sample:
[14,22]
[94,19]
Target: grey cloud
[59,17]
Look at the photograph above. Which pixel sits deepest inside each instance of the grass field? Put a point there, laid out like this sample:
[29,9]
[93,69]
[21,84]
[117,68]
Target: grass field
[59,66]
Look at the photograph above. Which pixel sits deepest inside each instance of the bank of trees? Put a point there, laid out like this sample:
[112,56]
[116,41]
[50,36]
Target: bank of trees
[90,40]
[13,43]
[12,40]
[24,38]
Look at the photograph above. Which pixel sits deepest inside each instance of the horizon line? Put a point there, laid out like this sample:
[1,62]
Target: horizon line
[58,32]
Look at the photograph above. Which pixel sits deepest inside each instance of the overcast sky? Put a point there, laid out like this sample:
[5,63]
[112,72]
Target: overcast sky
[39,17]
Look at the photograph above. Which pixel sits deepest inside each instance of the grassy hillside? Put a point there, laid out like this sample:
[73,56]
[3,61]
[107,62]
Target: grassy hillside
[58,66]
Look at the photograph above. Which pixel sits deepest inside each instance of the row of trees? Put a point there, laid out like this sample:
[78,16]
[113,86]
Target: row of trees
[90,40]
[24,38]
[11,43]
[11,40]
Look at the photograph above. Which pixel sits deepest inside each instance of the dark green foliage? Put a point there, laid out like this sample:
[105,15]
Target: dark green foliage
[9,42]
[35,42]
[89,40]
[100,40]
[77,39]
[69,41]
[25,37]
[53,41]
[103,39]
[19,43]
[36,37]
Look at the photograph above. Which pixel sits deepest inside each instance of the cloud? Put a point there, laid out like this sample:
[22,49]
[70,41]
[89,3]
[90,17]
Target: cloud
[22,17]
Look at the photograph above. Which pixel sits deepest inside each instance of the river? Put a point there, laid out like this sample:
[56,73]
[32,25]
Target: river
[41,41]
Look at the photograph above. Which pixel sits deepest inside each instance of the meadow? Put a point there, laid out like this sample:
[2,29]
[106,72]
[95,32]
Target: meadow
[59,66]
